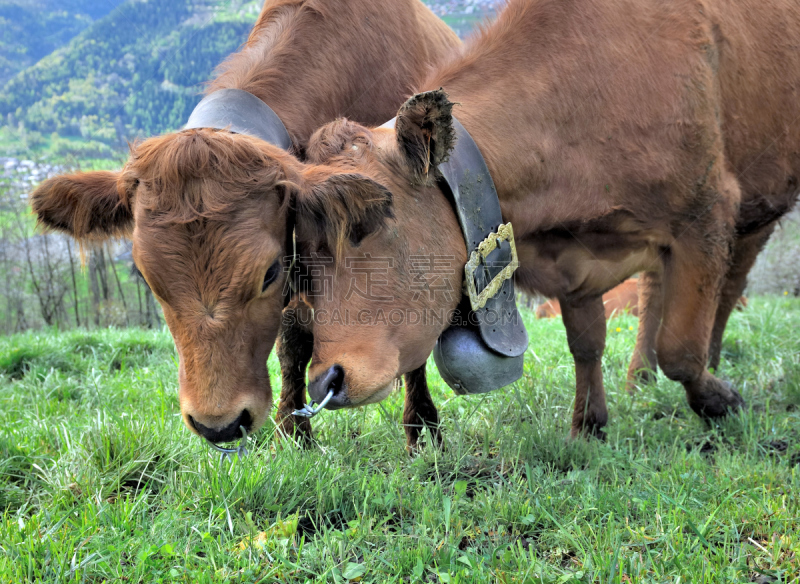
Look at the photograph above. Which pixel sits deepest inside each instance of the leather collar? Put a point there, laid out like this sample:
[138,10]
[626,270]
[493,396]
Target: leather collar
[241,112]
[469,185]
[466,176]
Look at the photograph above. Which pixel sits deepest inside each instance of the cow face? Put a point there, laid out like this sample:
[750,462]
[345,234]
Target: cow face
[388,249]
[207,212]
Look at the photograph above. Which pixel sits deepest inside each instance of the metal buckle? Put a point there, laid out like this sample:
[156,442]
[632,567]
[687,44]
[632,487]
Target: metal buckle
[504,233]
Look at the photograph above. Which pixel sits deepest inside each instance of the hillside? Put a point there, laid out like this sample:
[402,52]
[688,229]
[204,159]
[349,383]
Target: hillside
[137,71]
[32,29]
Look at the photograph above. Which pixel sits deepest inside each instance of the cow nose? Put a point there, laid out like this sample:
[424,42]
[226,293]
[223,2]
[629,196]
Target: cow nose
[332,379]
[229,433]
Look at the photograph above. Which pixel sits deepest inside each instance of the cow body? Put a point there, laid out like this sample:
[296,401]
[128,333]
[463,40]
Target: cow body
[622,136]
[757,77]
[313,61]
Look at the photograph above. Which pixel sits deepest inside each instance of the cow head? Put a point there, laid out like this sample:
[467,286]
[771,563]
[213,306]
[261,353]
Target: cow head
[390,248]
[207,212]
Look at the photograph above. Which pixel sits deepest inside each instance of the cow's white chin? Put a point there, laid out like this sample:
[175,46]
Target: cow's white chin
[379,395]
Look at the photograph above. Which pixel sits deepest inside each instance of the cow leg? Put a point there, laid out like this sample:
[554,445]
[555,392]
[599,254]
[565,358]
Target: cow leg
[585,322]
[419,411]
[745,252]
[643,363]
[693,270]
[294,348]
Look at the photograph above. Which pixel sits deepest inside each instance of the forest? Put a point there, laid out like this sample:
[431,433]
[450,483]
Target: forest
[137,71]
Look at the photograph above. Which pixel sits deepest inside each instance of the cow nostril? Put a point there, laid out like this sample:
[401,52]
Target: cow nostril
[337,379]
[331,380]
[246,420]
[230,432]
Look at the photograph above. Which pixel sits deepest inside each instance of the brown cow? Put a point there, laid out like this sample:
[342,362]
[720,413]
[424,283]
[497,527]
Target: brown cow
[620,299]
[208,210]
[760,124]
[601,124]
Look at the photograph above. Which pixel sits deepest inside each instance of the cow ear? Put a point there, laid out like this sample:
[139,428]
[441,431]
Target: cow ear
[341,138]
[340,207]
[425,133]
[88,206]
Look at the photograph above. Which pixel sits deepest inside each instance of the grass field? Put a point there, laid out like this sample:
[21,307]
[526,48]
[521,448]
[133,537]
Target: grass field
[100,481]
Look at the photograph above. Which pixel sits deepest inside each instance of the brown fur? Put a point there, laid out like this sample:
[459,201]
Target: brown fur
[208,210]
[335,214]
[621,136]
[294,348]
[760,147]
[419,411]
[90,206]
[313,61]
[425,130]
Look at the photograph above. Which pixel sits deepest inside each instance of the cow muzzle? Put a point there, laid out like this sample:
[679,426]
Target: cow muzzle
[328,389]
[225,433]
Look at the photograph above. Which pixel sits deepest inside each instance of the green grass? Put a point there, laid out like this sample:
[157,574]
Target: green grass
[100,481]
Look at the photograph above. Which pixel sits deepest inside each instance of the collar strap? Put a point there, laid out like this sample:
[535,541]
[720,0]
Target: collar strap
[490,244]
[241,112]
[488,275]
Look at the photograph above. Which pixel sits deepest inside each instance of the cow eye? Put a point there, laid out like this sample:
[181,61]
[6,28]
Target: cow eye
[271,275]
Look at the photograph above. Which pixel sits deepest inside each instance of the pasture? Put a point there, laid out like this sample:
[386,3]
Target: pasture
[101,482]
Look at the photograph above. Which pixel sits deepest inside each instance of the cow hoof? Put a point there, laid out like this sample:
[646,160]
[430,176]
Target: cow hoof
[414,445]
[634,384]
[589,430]
[715,398]
[640,378]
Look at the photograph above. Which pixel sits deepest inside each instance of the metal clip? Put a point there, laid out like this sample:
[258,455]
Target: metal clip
[504,233]
[309,411]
